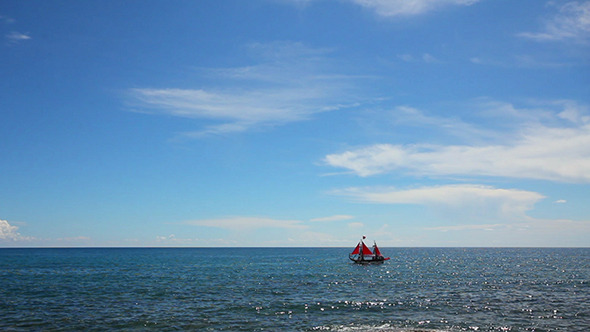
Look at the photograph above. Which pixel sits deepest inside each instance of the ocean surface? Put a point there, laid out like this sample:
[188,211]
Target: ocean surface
[294,289]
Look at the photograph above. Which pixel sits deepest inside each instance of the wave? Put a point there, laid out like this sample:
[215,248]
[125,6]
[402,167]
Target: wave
[377,328]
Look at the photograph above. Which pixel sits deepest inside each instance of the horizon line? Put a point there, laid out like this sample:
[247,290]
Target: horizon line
[295,247]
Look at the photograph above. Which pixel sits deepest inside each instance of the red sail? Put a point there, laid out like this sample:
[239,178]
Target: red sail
[377,252]
[356,250]
[366,250]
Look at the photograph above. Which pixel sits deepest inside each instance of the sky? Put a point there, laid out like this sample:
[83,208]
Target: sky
[295,123]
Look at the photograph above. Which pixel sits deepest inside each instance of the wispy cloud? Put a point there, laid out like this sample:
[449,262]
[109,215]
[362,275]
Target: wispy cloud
[76,240]
[6,19]
[484,227]
[244,223]
[356,225]
[571,22]
[237,110]
[338,217]
[15,37]
[534,232]
[426,57]
[390,8]
[173,240]
[453,126]
[521,61]
[298,3]
[293,83]
[557,152]
[497,202]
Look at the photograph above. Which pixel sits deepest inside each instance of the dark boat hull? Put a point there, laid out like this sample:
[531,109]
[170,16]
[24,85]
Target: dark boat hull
[363,261]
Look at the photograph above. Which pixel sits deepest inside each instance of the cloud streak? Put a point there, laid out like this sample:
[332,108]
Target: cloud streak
[292,84]
[15,37]
[534,232]
[484,227]
[427,58]
[501,203]
[247,223]
[237,110]
[556,153]
[339,217]
[571,22]
[6,19]
[391,8]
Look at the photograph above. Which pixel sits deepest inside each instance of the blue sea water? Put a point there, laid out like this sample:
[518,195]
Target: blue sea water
[294,289]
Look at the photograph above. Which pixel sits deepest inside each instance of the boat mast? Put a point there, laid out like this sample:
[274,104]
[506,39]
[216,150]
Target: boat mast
[362,248]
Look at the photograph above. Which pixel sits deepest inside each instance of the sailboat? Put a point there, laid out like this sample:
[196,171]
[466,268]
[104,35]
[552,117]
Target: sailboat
[363,255]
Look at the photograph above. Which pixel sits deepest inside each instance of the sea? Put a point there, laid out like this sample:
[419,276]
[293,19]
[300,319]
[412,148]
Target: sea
[294,289]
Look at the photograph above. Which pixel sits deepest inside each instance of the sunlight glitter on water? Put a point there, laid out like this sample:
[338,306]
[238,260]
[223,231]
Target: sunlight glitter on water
[224,289]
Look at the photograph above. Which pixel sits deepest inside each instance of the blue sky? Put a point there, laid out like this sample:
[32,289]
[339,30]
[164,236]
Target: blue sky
[295,123]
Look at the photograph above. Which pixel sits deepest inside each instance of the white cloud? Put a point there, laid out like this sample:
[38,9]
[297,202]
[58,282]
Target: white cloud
[15,36]
[292,84]
[557,152]
[572,22]
[10,232]
[356,225]
[573,112]
[496,202]
[160,238]
[245,223]
[485,227]
[338,217]
[391,8]
[239,110]
[560,201]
